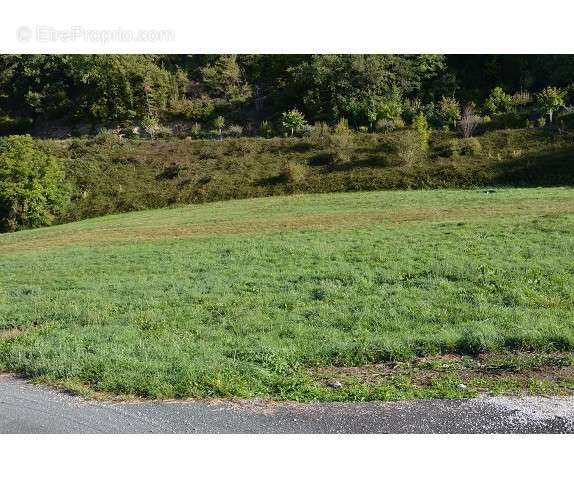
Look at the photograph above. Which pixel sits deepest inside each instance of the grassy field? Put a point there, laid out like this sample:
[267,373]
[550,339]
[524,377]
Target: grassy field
[277,297]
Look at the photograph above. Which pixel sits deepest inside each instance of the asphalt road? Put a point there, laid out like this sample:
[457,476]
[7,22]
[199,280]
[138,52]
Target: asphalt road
[27,408]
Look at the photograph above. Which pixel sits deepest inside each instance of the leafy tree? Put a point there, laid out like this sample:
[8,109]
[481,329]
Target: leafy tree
[449,111]
[333,86]
[550,100]
[100,88]
[224,80]
[32,186]
[391,105]
[219,124]
[293,120]
[499,102]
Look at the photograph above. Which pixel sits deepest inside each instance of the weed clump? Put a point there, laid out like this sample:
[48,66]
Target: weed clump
[294,173]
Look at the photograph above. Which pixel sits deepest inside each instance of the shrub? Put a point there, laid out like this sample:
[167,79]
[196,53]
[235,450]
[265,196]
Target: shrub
[411,108]
[385,126]
[421,127]
[468,122]
[522,97]
[163,132]
[340,142]
[242,146]
[234,131]
[409,147]
[196,130]
[32,185]
[199,108]
[470,147]
[150,125]
[294,173]
[319,136]
[499,102]
[292,120]
[449,111]
[541,121]
[466,147]
[304,131]
[265,130]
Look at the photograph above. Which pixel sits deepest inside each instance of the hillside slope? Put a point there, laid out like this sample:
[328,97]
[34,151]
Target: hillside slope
[112,175]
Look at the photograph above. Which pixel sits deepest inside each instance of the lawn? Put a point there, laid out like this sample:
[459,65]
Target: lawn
[271,297]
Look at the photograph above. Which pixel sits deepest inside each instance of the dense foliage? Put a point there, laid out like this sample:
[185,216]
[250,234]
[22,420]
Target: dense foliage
[32,187]
[366,90]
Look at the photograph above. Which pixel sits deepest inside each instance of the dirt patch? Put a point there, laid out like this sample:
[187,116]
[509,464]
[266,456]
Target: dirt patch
[517,367]
[10,333]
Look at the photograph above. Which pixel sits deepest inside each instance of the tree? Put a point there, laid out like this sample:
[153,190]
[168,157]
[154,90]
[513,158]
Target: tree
[421,127]
[449,111]
[32,186]
[550,100]
[469,121]
[387,107]
[219,124]
[499,102]
[224,79]
[293,120]
[345,85]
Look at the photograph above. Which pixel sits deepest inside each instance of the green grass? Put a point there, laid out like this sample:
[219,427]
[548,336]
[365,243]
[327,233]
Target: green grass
[245,298]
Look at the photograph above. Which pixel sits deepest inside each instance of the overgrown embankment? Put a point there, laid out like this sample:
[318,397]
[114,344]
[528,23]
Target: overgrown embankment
[112,175]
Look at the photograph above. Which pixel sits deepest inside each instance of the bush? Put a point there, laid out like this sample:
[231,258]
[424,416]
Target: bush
[385,126]
[499,102]
[234,131]
[294,173]
[511,120]
[449,111]
[265,130]
[33,190]
[421,127]
[340,142]
[199,108]
[409,147]
[469,121]
[522,97]
[319,136]
[196,130]
[150,125]
[469,146]
[541,121]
